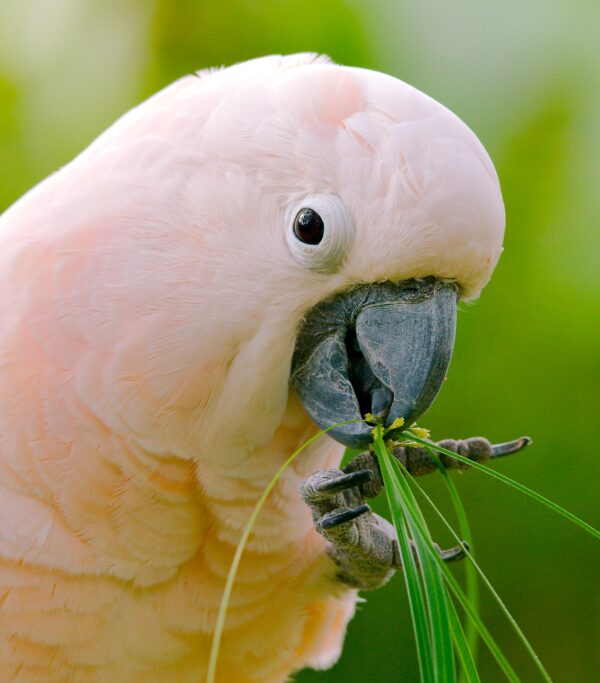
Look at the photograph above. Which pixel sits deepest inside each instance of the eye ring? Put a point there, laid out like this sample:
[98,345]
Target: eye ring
[319,232]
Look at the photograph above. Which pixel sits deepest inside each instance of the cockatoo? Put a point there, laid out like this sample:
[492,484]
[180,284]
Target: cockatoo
[250,251]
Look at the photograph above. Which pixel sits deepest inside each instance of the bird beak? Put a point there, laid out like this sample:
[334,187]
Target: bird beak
[381,348]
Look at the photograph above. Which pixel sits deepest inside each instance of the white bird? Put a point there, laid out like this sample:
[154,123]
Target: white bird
[153,290]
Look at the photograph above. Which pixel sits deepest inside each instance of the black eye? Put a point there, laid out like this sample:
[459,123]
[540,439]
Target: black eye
[308,226]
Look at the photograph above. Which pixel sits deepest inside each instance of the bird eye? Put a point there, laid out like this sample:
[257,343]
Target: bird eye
[319,231]
[308,226]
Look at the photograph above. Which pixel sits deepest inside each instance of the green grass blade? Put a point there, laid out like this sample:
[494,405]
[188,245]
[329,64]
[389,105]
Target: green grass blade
[511,482]
[437,609]
[411,576]
[463,650]
[462,599]
[486,636]
[222,613]
[488,584]
[472,584]
[433,586]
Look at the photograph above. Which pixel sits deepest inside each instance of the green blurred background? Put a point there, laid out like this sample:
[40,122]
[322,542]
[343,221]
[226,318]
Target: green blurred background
[526,78]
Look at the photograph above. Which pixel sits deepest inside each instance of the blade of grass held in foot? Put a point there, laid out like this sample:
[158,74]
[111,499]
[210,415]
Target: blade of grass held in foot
[458,592]
[411,577]
[497,598]
[483,631]
[473,565]
[403,506]
[472,584]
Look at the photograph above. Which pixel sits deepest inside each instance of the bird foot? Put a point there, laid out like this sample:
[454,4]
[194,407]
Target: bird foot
[362,544]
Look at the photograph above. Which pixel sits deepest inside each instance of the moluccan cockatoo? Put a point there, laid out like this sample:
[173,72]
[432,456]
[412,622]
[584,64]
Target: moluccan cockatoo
[251,249]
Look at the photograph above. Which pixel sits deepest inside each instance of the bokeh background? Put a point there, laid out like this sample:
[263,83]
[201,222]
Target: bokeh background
[526,78]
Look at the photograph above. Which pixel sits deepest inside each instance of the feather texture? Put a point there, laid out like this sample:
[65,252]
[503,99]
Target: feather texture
[150,307]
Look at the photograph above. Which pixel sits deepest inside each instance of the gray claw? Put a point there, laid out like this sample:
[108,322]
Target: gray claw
[456,553]
[345,481]
[334,519]
[500,449]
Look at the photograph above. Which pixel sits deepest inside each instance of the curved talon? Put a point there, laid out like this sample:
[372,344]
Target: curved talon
[500,449]
[456,553]
[345,481]
[331,520]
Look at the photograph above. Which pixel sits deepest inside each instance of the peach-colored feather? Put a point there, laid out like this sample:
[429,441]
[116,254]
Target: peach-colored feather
[150,306]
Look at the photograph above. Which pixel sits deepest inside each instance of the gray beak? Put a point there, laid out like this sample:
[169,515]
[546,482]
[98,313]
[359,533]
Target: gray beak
[380,348]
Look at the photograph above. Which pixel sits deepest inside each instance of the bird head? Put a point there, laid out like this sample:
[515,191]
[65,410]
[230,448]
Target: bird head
[282,222]
[367,211]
